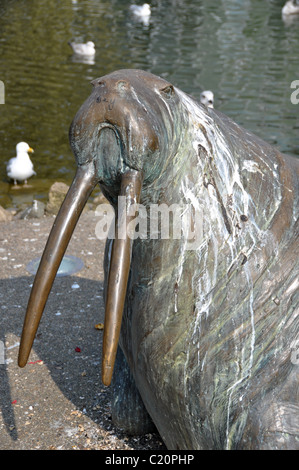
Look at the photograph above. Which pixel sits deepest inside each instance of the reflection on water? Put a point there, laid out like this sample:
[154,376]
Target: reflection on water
[243,51]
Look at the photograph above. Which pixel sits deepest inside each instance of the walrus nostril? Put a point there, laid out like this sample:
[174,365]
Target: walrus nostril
[167,91]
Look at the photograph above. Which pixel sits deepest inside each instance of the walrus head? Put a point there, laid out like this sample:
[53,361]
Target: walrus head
[121,138]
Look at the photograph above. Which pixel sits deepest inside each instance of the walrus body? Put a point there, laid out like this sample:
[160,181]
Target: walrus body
[209,323]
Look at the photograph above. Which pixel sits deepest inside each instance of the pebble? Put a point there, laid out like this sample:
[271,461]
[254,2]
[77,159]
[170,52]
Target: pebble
[56,197]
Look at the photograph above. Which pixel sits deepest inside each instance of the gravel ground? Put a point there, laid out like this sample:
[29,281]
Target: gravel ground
[57,401]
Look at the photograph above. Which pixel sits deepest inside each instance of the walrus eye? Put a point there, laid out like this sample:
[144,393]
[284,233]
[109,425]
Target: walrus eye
[168,91]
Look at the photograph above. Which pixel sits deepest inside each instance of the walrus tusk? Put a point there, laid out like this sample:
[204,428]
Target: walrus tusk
[64,225]
[131,184]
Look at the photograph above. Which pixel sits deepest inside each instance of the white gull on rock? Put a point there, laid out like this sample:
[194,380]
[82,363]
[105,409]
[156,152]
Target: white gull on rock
[291,8]
[207,98]
[87,49]
[20,168]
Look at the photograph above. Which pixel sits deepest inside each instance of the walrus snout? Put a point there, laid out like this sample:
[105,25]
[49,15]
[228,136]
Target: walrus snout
[137,108]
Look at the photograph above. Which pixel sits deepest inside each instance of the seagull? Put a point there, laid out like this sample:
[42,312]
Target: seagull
[20,168]
[143,11]
[207,98]
[87,49]
[291,8]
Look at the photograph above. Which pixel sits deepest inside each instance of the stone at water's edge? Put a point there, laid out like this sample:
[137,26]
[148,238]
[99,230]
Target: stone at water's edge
[57,193]
[5,215]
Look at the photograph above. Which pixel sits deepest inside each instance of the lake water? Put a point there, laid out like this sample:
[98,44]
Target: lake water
[241,49]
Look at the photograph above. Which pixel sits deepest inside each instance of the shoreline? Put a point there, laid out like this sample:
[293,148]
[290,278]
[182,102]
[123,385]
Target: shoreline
[29,207]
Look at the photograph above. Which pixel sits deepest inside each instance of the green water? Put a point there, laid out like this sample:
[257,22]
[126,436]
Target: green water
[242,50]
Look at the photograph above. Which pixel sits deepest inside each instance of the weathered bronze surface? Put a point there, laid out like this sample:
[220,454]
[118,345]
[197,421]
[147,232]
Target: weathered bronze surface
[208,324]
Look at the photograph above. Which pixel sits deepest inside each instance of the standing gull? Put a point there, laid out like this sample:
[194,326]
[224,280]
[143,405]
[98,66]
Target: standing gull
[20,168]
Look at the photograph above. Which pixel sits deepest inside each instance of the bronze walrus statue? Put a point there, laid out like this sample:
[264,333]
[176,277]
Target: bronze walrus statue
[206,320]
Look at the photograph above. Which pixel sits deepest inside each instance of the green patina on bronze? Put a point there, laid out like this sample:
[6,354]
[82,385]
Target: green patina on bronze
[207,326]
